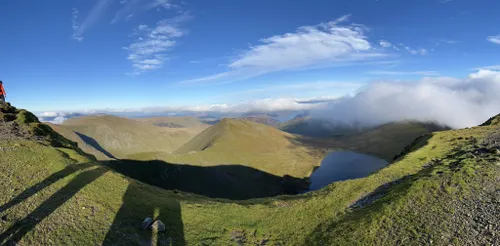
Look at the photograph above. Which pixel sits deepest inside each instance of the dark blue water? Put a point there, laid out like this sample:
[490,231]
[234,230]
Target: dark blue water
[343,165]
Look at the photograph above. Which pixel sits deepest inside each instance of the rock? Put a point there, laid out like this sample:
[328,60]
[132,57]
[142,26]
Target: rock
[146,223]
[157,226]
[238,237]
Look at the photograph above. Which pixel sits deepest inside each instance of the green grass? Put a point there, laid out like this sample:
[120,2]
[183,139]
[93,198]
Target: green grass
[81,202]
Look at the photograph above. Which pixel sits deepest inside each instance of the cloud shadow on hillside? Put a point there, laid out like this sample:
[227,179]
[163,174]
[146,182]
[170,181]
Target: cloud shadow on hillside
[236,182]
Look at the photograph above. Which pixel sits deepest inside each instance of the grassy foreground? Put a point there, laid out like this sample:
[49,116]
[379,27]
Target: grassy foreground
[57,196]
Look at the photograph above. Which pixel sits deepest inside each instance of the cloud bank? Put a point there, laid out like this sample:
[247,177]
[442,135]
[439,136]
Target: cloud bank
[454,102]
[457,103]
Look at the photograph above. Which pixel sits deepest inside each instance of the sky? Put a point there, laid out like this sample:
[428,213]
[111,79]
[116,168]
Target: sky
[81,55]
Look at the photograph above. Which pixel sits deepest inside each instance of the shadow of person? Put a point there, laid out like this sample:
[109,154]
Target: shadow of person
[45,183]
[17,231]
[138,203]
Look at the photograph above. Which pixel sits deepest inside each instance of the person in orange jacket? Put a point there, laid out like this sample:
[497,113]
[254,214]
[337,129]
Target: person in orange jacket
[3,94]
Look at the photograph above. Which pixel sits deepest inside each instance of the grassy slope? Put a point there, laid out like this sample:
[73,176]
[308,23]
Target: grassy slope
[122,137]
[387,140]
[69,134]
[87,204]
[246,143]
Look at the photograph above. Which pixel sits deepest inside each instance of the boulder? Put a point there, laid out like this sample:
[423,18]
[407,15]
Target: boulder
[157,226]
[146,223]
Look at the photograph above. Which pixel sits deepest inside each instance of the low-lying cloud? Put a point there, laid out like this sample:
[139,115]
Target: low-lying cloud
[453,102]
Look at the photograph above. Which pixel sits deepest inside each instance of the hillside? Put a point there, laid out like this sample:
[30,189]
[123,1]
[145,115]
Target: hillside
[86,147]
[122,137]
[388,140]
[235,141]
[385,141]
[495,120]
[444,190]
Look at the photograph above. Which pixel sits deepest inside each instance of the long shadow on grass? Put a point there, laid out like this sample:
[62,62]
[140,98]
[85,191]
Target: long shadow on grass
[45,183]
[92,142]
[136,206]
[234,182]
[17,231]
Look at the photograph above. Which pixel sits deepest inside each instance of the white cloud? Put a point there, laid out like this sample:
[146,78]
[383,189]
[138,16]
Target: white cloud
[56,117]
[424,73]
[326,44]
[494,39]
[385,44]
[454,102]
[148,51]
[95,14]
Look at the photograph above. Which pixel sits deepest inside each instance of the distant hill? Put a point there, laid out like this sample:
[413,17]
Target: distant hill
[176,122]
[123,137]
[307,126]
[385,141]
[236,141]
[262,120]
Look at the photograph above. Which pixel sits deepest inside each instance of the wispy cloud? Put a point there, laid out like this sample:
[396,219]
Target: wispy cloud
[95,14]
[401,46]
[74,25]
[491,68]
[133,7]
[446,41]
[423,73]
[494,39]
[148,51]
[325,44]
[416,51]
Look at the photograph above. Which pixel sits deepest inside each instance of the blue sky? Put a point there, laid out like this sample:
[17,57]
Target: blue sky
[93,54]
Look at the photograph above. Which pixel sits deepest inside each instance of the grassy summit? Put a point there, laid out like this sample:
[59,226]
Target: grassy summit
[246,143]
[444,190]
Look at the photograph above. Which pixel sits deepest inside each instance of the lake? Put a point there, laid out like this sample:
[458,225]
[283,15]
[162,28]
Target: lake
[343,165]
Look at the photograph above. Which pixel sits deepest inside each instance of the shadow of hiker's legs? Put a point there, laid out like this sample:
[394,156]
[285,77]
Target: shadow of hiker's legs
[45,183]
[139,203]
[21,228]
